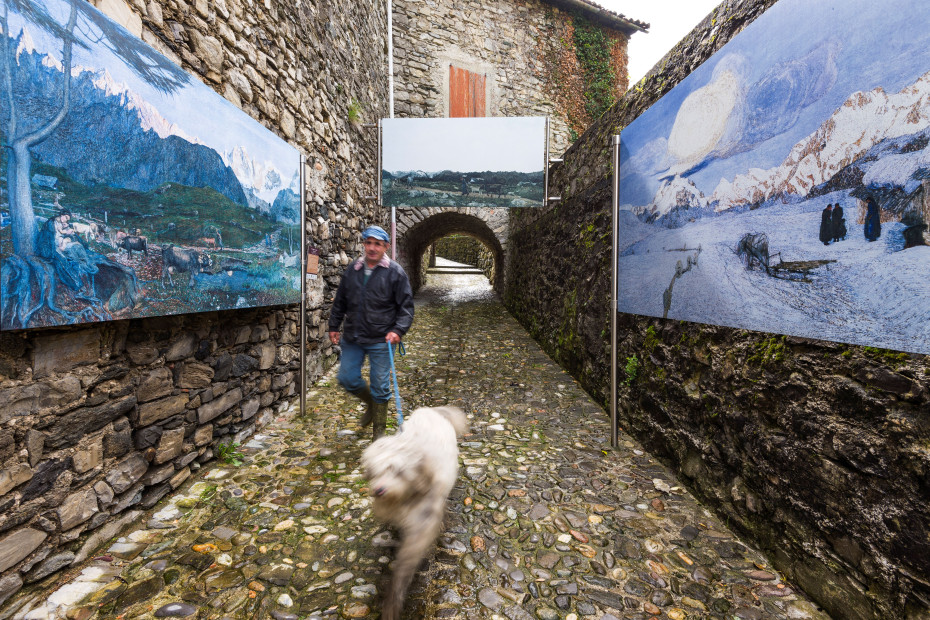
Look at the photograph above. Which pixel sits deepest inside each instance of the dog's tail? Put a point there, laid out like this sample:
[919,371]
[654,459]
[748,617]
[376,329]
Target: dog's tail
[456,417]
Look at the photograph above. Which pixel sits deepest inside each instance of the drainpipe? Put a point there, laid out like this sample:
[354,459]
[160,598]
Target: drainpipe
[390,53]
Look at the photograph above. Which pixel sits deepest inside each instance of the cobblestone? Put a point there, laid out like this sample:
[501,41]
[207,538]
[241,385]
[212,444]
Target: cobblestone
[547,521]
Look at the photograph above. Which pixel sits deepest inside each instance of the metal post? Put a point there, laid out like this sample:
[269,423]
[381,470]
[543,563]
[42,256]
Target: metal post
[390,25]
[546,168]
[381,198]
[303,293]
[390,55]
[615,209]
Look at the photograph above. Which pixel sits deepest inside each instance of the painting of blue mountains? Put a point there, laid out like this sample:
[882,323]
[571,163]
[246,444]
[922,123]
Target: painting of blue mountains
[784,186]
[127,187]
[463,162]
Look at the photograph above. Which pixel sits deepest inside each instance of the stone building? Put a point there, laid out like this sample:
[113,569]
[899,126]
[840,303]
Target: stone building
[565,59]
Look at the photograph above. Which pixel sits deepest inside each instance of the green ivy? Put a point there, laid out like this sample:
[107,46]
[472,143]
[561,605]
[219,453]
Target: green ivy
[592,49]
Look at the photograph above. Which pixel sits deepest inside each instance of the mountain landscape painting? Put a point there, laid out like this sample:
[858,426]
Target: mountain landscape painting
[463,162]
[128,188]
[784,186]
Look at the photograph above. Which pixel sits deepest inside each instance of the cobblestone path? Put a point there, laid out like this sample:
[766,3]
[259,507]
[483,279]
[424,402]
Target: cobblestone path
[547,521]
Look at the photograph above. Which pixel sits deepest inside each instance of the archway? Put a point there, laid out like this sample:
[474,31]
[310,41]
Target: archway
[418,229]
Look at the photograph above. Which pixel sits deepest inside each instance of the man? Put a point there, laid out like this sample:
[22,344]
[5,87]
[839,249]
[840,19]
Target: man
[376,302]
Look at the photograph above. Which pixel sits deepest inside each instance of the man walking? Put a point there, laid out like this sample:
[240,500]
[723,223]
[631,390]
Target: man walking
[376,302]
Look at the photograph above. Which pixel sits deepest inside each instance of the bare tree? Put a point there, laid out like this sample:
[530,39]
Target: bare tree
[85,20]
[29,281]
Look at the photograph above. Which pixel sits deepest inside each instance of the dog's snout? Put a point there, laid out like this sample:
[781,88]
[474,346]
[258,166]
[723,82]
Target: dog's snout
[380,491]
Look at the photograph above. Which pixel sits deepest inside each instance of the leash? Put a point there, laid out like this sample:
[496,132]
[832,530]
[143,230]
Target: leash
[400,412]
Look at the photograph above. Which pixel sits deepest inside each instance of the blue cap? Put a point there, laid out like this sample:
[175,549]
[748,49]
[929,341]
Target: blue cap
[377,232]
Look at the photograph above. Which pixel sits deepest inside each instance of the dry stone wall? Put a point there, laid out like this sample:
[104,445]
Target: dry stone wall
[818,451]
[98,421]
[465,249]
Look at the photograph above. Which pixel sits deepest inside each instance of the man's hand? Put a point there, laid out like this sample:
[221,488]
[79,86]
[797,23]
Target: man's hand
[334,337]
[392,338]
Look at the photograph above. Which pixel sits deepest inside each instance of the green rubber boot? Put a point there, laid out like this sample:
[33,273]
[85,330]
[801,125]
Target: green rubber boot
[364,395]
[379,411]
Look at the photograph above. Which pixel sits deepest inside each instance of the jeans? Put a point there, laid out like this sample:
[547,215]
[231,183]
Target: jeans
[350,368]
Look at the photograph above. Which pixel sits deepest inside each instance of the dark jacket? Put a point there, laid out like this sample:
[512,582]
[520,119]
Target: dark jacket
[826,225]
[839,223]
[371,310]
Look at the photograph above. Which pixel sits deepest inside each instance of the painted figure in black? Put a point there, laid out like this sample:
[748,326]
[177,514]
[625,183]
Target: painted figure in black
[873,220]
[826,224]
[839,223]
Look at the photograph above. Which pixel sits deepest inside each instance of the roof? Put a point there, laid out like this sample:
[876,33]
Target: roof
[596,12]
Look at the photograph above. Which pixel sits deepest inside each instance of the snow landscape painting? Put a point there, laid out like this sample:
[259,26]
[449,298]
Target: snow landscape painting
[784,186]
[129,188]
[463,162]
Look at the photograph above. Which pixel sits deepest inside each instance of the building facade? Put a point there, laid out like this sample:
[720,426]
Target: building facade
[564,59]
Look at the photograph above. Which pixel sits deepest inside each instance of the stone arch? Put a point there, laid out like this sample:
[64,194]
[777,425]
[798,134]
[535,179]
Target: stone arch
[417,229]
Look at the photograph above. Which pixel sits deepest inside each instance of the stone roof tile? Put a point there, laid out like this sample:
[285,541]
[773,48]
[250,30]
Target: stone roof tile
[611,18]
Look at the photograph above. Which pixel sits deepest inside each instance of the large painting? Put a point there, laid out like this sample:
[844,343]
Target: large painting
[129,188]
[463,162]
[784,186]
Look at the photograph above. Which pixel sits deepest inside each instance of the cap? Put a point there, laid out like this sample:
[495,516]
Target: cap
[377,232]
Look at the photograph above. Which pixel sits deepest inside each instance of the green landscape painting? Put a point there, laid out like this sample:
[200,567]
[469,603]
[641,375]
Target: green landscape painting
[463,162]
[129,188]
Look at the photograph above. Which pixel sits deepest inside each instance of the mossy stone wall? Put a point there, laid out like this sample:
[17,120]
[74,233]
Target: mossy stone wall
[819,452]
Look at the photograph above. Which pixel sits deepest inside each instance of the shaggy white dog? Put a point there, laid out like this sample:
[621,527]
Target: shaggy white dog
[411,474]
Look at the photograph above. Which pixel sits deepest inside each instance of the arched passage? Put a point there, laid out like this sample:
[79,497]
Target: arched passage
[417,229]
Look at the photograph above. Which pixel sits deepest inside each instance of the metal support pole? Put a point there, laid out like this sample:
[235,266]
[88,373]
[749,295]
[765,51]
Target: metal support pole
[390,56]
[390,24]
[303,293]
[546,198]
[615,209]
[380,197]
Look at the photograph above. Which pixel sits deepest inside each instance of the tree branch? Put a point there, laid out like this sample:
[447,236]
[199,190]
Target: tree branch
[67,45]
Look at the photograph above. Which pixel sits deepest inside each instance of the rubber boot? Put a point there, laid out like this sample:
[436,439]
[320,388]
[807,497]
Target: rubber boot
[364,395]
[379,411]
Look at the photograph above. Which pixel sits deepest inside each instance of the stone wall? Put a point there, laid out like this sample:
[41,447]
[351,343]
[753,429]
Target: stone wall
[418,229]
[466,249]
[817,451]
[524,47]
[97,421]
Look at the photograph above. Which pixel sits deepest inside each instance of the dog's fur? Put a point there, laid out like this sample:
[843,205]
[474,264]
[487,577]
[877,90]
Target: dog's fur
[411,474]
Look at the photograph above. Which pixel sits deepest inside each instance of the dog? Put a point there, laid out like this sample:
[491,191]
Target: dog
[410,474]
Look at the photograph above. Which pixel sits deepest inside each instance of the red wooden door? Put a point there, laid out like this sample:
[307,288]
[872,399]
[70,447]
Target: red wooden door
[466,93]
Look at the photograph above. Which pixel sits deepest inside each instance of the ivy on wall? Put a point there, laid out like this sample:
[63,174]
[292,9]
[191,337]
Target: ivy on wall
[583,65]
[593,50]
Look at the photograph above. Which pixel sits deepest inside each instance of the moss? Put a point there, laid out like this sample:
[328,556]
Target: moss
[769,351]
[887,356]
[651,340]
[588,235]
[631,369]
